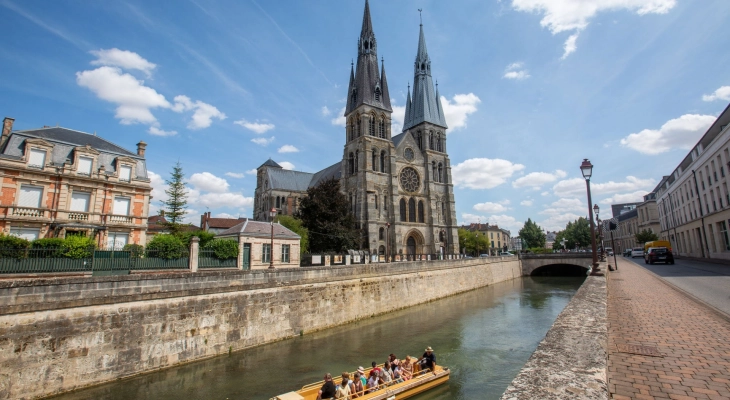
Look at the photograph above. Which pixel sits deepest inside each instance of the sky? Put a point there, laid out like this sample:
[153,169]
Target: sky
[529,88]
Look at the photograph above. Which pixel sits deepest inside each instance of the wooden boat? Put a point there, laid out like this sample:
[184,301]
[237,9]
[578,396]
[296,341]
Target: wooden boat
[421,381]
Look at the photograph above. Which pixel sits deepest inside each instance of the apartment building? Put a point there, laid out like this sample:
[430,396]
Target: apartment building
[57,182]
[694,202]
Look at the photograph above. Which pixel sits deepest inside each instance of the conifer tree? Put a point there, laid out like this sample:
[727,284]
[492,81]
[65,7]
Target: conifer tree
[177,199]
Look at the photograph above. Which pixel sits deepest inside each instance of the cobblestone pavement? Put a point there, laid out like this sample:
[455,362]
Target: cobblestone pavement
[662,344]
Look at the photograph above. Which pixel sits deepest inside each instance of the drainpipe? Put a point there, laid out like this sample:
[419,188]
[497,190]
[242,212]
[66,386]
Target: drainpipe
[702,217]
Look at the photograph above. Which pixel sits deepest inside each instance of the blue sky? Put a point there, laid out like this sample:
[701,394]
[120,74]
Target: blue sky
[529,87]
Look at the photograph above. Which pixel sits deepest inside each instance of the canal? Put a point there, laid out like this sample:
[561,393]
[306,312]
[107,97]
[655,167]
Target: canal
[484,336]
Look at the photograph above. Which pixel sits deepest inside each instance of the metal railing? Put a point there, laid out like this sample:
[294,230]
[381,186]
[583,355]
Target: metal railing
[207,259]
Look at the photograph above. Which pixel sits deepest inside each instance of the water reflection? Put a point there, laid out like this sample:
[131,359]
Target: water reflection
[484,336]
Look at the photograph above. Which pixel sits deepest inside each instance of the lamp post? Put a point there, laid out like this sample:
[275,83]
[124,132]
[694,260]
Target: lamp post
[272,214]
[586,168]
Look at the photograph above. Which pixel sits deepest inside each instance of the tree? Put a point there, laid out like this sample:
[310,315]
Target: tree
[297,226]
[325,212]
[177,200]
[532,235]
[646,236]
[472,242]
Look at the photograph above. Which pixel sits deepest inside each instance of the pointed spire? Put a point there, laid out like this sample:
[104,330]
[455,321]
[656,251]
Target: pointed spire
[422,54]
[367,25]
[407,117]
[385,96]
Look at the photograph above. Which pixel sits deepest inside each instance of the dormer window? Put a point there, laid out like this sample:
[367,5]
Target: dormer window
[125,173]
[377,94]
[37,158]
[84,167]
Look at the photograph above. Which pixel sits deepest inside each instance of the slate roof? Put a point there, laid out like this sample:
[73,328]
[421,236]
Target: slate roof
[224,223]
[399,138]
[628,215]
[253,228]
[289,180]
[333,171]
[271,163]
[64,142]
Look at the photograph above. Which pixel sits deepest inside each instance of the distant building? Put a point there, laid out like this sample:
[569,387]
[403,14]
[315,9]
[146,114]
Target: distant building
[516,243]
[217,225]
[254,239]
[618,209]
[58,182]
[550,239]
[498,238]
[157,224]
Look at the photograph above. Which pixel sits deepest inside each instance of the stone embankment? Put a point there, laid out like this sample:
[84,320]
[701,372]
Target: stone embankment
[570,363]
[61,334]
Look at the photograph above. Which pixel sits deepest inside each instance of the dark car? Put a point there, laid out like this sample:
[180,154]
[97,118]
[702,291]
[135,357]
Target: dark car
[658,254]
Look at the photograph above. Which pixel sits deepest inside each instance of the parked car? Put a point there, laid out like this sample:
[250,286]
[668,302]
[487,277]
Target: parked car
[658,254]
[637,252]
[627,252]
[506,254]
[609,251]
[484,255]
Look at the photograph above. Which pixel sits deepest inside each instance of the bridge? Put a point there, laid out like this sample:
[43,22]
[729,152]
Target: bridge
[556,264]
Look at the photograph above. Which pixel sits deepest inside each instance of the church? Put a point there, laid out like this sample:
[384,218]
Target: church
[399,187]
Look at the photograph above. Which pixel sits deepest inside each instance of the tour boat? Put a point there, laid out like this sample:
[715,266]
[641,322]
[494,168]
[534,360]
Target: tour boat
[421,381]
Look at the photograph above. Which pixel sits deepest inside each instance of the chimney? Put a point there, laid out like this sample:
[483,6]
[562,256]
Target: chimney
[141,146]
[7,128]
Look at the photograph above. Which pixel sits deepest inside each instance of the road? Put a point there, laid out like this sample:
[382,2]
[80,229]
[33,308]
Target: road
[706,281]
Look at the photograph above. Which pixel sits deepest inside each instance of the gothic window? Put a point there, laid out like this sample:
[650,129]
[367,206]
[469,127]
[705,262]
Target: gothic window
[375,159]
[351,163]
[385,203]
[441,173]
[433,175]
[441,236]
[430,141]
[443,211]
[411,210]
[382,161]
[438,142]
[371,125]
[376,201]
[381,250]
[357,159]
[420,211]
[409,179]
[377,94]
[278,202]
[358,132]
[381,129]
[381,235]
[419,140]
[403,210]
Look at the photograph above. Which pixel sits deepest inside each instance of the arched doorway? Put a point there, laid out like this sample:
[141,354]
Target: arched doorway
[411,246]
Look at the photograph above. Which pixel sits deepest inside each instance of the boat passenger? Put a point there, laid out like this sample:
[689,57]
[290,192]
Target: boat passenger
[343,390]
[428,360]
[372,385]
[388,372]
[394,361]
[328,388]
[357,389]
[346,377]
[364,380]
[375,370]
[406,368]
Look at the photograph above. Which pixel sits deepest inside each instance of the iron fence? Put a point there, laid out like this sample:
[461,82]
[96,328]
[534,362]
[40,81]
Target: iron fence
[207,259]
[16,261]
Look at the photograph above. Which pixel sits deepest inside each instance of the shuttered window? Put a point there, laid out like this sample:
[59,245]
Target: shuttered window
[26,233]
[30,196]
[80,201]
[125,173]
[121,206]
[116,241]
[85,165]
[37,158]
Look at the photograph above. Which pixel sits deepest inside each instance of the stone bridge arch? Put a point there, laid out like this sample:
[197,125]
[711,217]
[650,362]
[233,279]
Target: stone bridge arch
[564,264]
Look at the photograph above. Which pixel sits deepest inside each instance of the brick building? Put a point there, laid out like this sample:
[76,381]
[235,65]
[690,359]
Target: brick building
[56,182]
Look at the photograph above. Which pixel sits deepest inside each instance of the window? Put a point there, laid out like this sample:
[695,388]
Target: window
[121,206]
[125,173]
[420,211]
[266,253]
[358,131]
[441,173]
[357,159]
[381,234]
[403,210]
[285,251]
[371,125]
[385,203]
[375,159]
[278,202]
[117,241]
[37,158]
[382,161]
[84,167]
[381,129]
[411,210]
[723,234]
[351,163]
[377,94]
[26,233]
[80,201]
[30,196]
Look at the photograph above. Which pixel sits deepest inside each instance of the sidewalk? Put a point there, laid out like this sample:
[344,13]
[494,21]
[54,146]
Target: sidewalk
[662,344]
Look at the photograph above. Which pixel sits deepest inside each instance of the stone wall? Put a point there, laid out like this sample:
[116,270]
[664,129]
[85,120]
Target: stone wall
[66,333]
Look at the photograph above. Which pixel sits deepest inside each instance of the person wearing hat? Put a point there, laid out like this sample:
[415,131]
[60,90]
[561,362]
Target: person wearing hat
[363,378]
[428,360]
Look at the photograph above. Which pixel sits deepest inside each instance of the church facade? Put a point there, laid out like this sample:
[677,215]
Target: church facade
[399,187]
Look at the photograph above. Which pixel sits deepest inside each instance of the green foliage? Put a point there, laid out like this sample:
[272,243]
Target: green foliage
[51,248]
[577,233]
[297,226]
[13,247]
[473,243]
[135,250]
[532,235]
[223,249]
[177,199]
[78,247]
[325,212]
[167,247]
[557,244]
[646,236]
[204,236]
[540,250]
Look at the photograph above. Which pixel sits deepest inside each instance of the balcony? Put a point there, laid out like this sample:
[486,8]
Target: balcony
[119,219]
[78,216]
[27,212]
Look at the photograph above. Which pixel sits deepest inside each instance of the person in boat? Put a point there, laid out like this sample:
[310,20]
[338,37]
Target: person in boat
[428,360]
[363,378]
[357,389]
[397,373]
[346,377]
[406,369]
[394,361]
[388,372]
[375,370]
[343,390]
[328,388]
[373,383]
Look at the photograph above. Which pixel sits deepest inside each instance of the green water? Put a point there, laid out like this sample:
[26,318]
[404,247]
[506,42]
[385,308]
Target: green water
[484,336]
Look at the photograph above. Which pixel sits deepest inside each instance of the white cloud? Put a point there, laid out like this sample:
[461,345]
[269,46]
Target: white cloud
[472,219]
[723,93]
[287,148]
[545,194]
[224,215]
[526,203]
[122,58]
[340,120]
[326,111]
[490,207]
[457,112]
[516,71]
[537,179]
[237,175]
[208,182]
[397,118]
[503,221]
[134,100]
[263,141]
[576,187]
[287,165]
[558,222]
[158,187]
[564,205]
[203,115]
[679,133]
[252,171]
[634,197]
[483,173]
[574,15]
[569,47]
[153,130]
[256,127]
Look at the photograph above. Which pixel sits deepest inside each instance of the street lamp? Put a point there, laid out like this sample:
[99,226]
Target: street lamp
[272,214]
[586,168]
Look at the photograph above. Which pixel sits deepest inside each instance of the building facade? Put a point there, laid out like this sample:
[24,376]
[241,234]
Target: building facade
[58,182]
[693,201]
[399,186]
[255,244]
